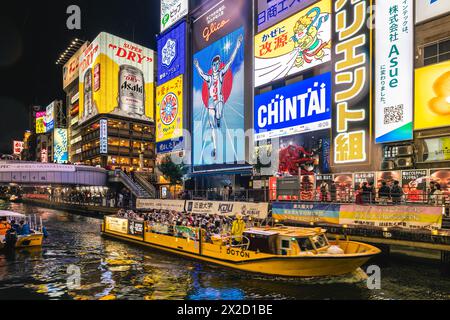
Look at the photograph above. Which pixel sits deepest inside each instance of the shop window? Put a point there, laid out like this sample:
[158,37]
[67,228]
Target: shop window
[437,52]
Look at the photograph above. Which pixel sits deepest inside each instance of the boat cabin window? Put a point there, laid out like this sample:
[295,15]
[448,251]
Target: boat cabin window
[305,244]
[285,247]
[262,243]
[320,241]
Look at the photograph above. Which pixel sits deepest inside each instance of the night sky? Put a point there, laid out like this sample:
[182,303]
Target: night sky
[32,36]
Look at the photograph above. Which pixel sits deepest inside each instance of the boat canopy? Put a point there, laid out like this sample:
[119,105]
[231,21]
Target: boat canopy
[10,214]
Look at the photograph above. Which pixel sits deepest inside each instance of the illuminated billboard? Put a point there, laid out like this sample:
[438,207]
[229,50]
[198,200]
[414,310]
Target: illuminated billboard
[116,77]
[171,53]
[60,146]
[271,12]
[172,11]
[40,122]
[298,108]
[169,113]
[18,147]
[432,106]
[218,84]
[352,88]
[50,117]
[298,43]
[70,69]
[429,9]
[394,71]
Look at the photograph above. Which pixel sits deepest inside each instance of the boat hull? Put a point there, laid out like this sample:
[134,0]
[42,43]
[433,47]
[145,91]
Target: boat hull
[281,266]
[31,241]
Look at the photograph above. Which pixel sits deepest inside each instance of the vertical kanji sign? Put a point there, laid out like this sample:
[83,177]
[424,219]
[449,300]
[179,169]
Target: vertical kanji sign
[352,82]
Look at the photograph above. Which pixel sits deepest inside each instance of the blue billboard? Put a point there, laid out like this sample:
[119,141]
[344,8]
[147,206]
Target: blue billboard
[171,53]
[295,109]
[218,102]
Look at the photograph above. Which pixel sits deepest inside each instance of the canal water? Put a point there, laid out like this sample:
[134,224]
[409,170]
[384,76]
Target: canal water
[114,270]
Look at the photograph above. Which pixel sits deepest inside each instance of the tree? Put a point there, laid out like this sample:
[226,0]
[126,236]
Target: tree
[172,172]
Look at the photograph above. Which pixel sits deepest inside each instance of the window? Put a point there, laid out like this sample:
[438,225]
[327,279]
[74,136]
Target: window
[305,244]
[437,52]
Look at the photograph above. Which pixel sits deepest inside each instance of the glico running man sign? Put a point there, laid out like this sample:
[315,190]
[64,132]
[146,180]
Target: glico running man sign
[218,84]
[352,89]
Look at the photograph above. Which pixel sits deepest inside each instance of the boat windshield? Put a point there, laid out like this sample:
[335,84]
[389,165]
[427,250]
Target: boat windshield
[320,241]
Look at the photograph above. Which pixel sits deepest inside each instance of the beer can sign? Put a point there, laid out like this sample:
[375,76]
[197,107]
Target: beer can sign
[132,92]
[117,78]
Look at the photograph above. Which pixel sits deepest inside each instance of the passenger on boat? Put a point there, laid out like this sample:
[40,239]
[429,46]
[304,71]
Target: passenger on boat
[4,226]
[238,229]
[24,229]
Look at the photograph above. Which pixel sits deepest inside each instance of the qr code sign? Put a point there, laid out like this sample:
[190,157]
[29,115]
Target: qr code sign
[393,114]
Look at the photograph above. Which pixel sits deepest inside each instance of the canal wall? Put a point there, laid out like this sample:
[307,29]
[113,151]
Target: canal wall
[90,210]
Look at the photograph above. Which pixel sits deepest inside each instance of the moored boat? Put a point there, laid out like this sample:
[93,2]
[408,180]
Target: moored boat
[272,250]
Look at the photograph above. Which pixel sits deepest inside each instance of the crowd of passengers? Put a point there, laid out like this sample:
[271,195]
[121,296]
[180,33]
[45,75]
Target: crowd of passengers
[212,224]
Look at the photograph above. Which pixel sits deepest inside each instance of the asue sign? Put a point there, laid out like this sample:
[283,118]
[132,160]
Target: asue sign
[299,108]
[394,71]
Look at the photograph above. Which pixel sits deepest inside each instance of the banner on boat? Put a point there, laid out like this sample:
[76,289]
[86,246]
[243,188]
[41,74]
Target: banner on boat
[136,228]
[155,204]
[298,212]
[410,217]
[254,210]
[116,225]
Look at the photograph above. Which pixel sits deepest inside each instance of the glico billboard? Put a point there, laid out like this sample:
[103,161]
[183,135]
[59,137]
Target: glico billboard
[294,45]
[352,89]
[295,109]
[116,77]
[218,126]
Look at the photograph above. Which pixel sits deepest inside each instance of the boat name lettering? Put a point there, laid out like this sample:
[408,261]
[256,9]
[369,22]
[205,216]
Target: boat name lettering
[238,253]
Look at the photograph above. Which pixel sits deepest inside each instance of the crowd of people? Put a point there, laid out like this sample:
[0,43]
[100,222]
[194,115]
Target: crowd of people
[213,225]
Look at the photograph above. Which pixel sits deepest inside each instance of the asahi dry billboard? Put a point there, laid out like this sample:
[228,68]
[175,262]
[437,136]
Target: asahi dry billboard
[116,77]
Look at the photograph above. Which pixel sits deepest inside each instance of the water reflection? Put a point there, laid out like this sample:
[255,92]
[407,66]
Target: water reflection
[113,270]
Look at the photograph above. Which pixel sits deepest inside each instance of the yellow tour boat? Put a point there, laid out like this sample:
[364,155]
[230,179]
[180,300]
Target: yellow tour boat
[33,240]
[274,251]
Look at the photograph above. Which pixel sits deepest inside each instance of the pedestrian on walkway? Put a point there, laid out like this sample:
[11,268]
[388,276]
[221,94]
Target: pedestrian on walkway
[396,193]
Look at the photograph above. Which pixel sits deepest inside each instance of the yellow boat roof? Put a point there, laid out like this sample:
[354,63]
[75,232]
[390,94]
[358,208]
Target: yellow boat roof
[289,231]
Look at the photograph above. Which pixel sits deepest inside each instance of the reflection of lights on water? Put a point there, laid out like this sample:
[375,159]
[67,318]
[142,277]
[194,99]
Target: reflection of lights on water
[217,294]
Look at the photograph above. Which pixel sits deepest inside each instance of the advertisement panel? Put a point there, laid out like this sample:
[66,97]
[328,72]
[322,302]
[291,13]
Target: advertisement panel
[436,149]
[414,184]
[136,228]
[49,119]
[300,42]
[298,108]
[255,210]
[171,54]
[394,71]
[40,123]
[442,177]
[18,147]
[154,204]
[71,68]
[116,225]
[361,178]
[271,12]
[169,111]
[432,108]
[218,101]
[427,10]
[410,217]
[116,77]
[103,136]
[389,177]
[344,187]
[352,89]
[60,146]
[172,11]
[297,212]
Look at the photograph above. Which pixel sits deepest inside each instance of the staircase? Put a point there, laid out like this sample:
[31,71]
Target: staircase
[145,182]
[136,189]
